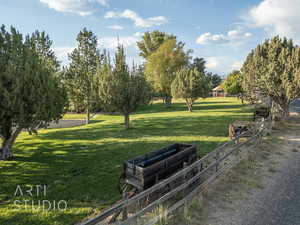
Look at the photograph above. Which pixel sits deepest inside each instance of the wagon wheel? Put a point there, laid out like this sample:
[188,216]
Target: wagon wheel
[123,186]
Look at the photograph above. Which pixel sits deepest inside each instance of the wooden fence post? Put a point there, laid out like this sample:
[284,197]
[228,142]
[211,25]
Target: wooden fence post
[217,158]
[125,213]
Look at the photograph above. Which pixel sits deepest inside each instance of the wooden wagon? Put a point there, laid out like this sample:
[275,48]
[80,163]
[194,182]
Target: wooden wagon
[261,112]
[146,170]
[241,128]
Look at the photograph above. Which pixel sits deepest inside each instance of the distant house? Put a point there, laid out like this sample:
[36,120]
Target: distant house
[219,92]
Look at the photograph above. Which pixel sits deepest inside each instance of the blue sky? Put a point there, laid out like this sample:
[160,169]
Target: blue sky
[221,31]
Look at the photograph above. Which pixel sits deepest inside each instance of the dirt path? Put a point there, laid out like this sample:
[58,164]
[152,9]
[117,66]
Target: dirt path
[66,123]
[264,190]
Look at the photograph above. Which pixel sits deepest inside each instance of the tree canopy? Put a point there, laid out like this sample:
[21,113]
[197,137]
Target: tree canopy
[215,79]
[120,89]
[80,76]
[233,83]
[151,41]
[30,91]
[199,64]
[273,69]
[190,84]
[162,65]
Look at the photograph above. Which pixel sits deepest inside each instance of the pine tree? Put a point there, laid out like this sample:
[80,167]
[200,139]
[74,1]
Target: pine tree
[120,89]
[80,76]
[272,69]
[190,84]
[30,91]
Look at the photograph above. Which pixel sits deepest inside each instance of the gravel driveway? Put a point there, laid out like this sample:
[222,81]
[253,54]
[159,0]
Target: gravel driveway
[66,123]
[265,193]
[278,203]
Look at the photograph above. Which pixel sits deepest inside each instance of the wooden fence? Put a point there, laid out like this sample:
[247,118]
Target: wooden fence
[149,206]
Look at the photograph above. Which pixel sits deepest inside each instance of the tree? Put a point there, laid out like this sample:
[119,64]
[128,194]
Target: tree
[30,91]
[199,64]
[233,83]
[122,90]
[151,41]
[215,79]
[80,76]
[162,65]
[273,69]
[190,84]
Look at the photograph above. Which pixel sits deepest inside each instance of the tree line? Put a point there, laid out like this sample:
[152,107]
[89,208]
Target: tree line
[35,91]
[269,75]
[95,81]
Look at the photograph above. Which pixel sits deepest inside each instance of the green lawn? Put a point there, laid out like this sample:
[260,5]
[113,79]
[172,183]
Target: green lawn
[81,165]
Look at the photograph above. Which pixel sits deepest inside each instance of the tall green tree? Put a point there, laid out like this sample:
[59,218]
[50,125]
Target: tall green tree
[215,79]
[151,41]
[80,76]
[273,69]
[199,64]
[30,91]
[122,90]
[190,84]
[233,83]
[162,65]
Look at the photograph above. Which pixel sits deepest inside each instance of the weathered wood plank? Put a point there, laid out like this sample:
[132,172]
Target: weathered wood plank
[196,165]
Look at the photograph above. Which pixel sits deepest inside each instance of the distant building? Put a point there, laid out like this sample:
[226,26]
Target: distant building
[219,92]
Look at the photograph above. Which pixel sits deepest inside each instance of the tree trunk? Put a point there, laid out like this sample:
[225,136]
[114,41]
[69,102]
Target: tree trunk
[7,145]
[286,111]
[168,101]
[189,105]
[88,116]
[126,120]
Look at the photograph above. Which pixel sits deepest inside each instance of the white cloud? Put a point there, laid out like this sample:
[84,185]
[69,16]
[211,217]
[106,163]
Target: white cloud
[138,34]
[277,17]
[248,34]
[222,64]
[231,37]
[116,27]
[207,38]
[138,21]
[109,43]
[62,54]
[237,65]
[212,63]
[113,42]
[80,7]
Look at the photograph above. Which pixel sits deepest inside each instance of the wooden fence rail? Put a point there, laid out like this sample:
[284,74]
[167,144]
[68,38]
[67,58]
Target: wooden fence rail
[204,171]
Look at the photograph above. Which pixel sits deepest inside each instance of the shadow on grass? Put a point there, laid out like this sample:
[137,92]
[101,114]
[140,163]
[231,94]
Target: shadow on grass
[175,107]
[82,165]
[215,126]
[84,175]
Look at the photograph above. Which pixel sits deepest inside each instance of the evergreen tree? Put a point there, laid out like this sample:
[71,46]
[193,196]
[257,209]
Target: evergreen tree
[162,65]
[30,92]
[273,69]
[215,79]
[122,90]
[80,76]
[190,84]
[199,64]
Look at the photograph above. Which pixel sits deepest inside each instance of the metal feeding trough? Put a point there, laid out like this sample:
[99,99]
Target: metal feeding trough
[147,170]
[261,112]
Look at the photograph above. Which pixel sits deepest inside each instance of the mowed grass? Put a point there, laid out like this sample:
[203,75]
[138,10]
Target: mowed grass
[81,165]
